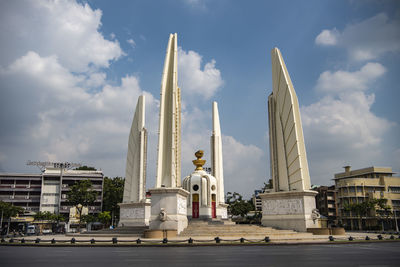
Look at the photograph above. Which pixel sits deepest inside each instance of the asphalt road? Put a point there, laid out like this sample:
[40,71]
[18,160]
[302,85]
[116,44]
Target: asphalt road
[368,254]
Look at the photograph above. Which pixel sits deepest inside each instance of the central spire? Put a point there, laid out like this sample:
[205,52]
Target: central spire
[169,136]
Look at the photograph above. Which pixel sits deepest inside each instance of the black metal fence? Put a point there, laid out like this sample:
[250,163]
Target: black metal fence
[165,241]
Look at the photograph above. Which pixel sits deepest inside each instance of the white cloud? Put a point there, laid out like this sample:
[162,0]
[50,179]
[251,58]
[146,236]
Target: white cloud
[131,42]
[63,28]
[366,40]
[327,37]
[346,120]
[395,156]
[95,79]
[62,121]
[199,4]
[341,128]
[57,104]
[244,166]
[193,79]
[349,81]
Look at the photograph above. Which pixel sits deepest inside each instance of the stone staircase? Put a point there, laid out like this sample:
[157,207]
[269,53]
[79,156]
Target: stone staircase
[128,231]
[205,230]
[210,229]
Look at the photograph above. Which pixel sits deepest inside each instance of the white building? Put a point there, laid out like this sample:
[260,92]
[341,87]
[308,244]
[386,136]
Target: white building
[48,191]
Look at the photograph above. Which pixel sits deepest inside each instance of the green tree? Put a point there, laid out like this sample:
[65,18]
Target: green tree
[113,191]
[382,210]
[89,218]
[81,195]
[7,211]
[86,168]
[104,217]
[268,185]
[58,218]
[237,205]
[367,208]
[47,215]
[360,210]
[43,215]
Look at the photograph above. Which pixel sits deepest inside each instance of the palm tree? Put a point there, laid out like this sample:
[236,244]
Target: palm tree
[7,211]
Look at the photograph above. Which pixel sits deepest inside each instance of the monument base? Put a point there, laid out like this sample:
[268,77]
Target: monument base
[160,234]
[289,210]
[168,209]
[222,211]
[207,214]
[134,214]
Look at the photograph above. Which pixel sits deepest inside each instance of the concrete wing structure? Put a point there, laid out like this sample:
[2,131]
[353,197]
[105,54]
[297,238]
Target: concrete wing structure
[289,166]
[216,153]
[135,174]
[292,205]
[169,138]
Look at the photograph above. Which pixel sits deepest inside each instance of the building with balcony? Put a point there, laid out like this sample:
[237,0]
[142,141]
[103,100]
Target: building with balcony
[48,191]
[257,200]
[22,190]
[357,186]
[326,203]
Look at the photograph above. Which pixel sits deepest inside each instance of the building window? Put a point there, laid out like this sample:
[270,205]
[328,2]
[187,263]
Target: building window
[394,189]
[195,187]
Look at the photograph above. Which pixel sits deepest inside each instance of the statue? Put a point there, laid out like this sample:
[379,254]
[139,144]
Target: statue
[163,215]
[315,215]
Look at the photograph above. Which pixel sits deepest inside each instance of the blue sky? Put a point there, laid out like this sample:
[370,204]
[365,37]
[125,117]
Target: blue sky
[71,72]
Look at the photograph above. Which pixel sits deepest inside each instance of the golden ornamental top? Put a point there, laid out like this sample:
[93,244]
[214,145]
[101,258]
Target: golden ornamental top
[199,162]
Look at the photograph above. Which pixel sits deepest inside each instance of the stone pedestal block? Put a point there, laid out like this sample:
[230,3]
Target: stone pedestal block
[222,211]
[168,209]
[134,214]
[289,210]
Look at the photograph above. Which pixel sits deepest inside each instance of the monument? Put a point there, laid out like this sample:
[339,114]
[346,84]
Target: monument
[168,199]
[217,168]
[203,201]
[202,187]
[206,200]
[134,210]
[292,203]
